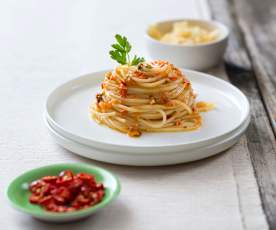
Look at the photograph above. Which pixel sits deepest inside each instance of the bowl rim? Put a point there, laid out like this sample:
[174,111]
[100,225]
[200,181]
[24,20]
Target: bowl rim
[220,26]
[74,214]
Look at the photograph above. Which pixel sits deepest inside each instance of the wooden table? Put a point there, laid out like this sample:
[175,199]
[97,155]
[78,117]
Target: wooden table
[250,65]
[44,43]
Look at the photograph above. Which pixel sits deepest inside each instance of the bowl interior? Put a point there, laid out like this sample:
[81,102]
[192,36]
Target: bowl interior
[167,26]
[18,192]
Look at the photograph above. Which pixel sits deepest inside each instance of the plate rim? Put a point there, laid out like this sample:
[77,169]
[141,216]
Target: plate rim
[229,140]
[239,131]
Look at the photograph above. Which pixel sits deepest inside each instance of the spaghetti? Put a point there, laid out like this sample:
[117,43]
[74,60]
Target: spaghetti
[151,97]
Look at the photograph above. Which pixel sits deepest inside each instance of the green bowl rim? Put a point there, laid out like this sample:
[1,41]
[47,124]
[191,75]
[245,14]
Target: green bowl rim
[54,215]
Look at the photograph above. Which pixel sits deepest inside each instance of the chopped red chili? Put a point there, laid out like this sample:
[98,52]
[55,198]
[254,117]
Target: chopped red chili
[124,112]
[66,192]
[173,78]
[123,89]
[177,122]
[186,81]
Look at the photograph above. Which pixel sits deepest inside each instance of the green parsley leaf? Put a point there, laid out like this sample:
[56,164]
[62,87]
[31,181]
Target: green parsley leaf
[121,52]
[118,47]
[118,56]
[136,60]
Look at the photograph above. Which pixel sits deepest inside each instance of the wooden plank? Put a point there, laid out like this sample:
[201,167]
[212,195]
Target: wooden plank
[223,12]
[257,22]
[260,138]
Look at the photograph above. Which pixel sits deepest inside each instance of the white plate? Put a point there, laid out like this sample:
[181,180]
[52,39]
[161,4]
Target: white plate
[67,111]
[149,159]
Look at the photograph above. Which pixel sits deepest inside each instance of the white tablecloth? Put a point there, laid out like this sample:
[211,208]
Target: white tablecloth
[44,43]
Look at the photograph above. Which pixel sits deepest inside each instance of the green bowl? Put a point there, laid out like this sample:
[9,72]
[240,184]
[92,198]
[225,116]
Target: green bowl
[18,192]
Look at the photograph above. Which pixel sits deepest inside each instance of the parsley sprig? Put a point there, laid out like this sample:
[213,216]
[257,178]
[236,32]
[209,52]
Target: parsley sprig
[121,50]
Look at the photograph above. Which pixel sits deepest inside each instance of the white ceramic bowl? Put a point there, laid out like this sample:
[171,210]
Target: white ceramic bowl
[198,57]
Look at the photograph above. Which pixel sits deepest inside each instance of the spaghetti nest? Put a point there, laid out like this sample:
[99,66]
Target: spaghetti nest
[151,97]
